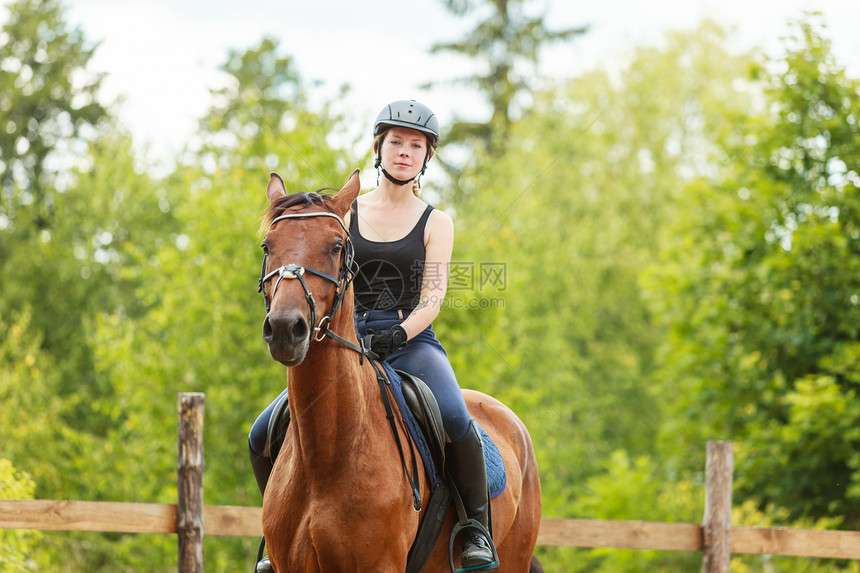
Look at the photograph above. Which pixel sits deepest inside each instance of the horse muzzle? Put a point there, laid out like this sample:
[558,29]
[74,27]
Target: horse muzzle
[288,335]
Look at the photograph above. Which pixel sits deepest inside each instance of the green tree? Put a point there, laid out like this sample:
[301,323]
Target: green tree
[15,546]
[575,213]
[760,291]
[47,107]
[267,119]
[108,227]
[508,42]
[628,489]
[78,218]
[49,117]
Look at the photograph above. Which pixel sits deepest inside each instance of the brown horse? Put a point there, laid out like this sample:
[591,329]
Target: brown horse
[338,498]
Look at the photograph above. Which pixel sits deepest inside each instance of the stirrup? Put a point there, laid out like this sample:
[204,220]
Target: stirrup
[263,565]
[472,524]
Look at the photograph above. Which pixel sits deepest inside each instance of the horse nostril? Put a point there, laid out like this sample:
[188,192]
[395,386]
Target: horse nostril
[300,329]
[267,330]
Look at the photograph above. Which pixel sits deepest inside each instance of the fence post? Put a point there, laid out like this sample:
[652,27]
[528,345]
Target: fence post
[189,509]
[717,524]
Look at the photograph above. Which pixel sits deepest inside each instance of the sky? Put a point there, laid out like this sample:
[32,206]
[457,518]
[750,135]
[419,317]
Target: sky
[162,56]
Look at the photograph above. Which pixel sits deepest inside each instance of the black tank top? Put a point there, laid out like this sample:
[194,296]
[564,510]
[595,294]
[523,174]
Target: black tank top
[390,273]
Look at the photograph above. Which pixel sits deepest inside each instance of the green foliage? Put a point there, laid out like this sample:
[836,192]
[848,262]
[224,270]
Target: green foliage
[15,546]
[575,213]
[61,243]
[72,426]
[760,291]
[509,40]
[747,513]
[47,106]
[22,418]
[264,120]
[628,489]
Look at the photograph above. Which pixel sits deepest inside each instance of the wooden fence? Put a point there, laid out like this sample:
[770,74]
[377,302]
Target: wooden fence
[715,537]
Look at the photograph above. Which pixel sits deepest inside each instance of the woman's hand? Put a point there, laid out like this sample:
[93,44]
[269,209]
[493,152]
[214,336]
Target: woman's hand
[387,341]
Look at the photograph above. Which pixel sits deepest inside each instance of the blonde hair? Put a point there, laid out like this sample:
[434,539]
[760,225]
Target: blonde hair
[377,141]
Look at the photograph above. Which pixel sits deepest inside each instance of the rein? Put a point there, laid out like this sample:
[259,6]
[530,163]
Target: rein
[347,273]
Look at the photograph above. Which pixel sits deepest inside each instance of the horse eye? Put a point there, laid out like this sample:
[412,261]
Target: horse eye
[337,249]
[265,248]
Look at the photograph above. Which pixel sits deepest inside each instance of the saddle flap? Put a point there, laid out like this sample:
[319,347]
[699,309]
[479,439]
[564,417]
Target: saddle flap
[421,402]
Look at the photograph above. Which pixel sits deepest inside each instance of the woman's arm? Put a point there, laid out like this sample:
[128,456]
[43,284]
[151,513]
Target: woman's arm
[439,243]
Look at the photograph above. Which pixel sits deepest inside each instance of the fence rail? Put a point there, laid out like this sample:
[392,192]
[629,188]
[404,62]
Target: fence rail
[236,521]
[715,538]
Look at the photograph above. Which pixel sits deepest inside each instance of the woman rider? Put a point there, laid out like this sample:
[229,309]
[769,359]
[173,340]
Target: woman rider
[403,248]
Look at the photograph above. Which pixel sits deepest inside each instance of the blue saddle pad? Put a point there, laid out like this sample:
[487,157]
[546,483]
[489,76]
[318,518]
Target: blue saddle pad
[497,476]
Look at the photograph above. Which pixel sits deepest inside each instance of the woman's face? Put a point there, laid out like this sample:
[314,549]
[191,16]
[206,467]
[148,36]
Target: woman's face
[403,152]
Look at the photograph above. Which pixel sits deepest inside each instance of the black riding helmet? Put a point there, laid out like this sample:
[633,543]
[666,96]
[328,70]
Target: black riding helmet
[411,114]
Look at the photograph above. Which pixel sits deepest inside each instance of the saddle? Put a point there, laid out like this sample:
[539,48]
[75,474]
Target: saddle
[421,402]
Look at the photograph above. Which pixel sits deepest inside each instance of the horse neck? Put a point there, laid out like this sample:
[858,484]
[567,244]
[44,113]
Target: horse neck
[329,394]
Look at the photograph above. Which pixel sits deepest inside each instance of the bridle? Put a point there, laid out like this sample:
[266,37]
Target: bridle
[348,269]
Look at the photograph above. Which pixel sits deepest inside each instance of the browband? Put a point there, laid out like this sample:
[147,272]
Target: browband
[307,215]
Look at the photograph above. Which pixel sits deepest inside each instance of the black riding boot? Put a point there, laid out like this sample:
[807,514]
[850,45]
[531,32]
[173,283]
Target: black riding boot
[468,471]
[262,467]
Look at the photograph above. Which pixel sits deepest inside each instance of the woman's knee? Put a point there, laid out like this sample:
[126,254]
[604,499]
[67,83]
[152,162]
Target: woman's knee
[260,430]
[257,436]
[455,417]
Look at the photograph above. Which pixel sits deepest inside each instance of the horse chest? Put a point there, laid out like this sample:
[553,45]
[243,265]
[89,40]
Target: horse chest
[333,536]
[340,520]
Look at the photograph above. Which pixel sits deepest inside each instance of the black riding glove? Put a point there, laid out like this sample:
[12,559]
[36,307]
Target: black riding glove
[387,341]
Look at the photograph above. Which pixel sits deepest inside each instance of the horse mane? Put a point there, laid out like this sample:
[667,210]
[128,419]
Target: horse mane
[301,200]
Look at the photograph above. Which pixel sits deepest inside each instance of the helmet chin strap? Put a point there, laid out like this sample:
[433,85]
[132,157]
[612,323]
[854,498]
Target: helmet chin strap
[395,180]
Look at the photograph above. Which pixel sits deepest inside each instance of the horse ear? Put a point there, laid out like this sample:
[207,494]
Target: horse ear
[276,189]
[342,202]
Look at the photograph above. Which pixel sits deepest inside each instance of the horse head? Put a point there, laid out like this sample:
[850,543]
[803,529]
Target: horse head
[307,266]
